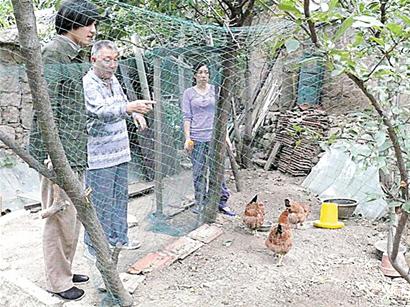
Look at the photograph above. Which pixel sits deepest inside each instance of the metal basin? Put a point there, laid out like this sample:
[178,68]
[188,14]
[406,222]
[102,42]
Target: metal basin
[345,206]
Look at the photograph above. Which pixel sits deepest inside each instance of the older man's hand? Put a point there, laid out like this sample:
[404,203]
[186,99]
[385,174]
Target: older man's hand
[140,106]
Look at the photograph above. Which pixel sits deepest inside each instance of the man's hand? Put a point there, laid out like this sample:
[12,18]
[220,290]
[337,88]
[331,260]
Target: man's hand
[139,121]
[140,106]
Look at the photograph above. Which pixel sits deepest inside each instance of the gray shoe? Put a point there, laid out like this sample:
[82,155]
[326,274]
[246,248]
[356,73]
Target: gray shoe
[131,245]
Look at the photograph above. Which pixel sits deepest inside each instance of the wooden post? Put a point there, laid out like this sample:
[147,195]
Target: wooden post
[272,155]
[140,67]
[234,167]
[181,76]
[158,138]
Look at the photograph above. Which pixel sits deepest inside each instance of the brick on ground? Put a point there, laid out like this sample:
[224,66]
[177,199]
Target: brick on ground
[206,233]
[150,262]
[183,247]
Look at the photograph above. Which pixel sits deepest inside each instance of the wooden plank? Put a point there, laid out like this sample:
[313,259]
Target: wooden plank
[33,205]
[139,191]
[180,210]
[272,156]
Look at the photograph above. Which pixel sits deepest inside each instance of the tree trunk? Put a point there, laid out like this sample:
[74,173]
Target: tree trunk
[65,177]
[218,148]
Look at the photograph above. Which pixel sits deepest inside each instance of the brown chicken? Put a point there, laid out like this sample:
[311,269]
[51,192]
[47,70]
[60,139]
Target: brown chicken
[254,214]
[280,238]
[298,212]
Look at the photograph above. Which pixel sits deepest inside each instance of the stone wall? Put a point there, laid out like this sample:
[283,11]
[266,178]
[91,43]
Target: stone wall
[15,97]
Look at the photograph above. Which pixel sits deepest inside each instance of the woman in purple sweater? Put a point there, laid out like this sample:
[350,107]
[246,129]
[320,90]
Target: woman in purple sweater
[198,108]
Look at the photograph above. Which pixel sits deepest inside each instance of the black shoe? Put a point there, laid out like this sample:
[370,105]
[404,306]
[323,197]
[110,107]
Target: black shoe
[72,294]
[80,279]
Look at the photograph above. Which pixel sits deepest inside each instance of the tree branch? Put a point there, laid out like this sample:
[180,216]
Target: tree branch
[228,4]
[286,13]
[383,15]
[248,12]
[30,49]
[385,56]
[403,176]
[26,157]
[311,24]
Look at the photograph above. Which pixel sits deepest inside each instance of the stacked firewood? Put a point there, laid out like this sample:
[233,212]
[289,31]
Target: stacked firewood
[295,147]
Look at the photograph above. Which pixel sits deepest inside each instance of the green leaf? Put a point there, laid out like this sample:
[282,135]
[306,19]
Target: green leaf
[380,138]
[395,29]
[343,28]
[394,204]
[379,41]
[405,18]
[406,206]
[333,4]
[292,45]
[364,21]
[337,72]
[289,6]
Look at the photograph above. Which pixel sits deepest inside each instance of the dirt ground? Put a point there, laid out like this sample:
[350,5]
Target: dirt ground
[324,267]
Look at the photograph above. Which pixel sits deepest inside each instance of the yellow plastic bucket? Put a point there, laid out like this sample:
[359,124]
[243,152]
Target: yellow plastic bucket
[328,217]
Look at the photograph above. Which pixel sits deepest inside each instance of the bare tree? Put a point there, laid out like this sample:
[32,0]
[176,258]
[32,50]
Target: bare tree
[64,175]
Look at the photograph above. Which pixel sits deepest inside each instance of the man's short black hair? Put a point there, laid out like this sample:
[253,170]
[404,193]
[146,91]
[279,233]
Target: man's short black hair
[74,14]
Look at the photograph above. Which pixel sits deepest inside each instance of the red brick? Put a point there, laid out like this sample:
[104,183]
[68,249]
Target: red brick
[151,262]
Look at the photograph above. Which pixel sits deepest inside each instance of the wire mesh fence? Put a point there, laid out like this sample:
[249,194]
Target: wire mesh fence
[263,79]
[264,100]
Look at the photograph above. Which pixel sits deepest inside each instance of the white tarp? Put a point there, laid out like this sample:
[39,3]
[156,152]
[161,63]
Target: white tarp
[19,185]
[337,176]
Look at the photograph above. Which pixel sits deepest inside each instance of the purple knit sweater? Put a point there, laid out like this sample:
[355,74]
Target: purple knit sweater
[199,110]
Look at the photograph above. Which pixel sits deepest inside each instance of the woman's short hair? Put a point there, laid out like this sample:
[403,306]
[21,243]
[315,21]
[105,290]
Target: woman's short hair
[74,14]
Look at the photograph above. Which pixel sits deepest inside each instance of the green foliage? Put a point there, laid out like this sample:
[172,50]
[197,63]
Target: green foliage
[6,14]
[173,123]
[6,10]
[7,161]
[355,39]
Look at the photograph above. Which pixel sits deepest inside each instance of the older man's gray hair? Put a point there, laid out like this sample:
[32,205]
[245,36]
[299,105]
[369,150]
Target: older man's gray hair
[103,44]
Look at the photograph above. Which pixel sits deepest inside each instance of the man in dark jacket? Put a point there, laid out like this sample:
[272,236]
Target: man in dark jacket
[64,59]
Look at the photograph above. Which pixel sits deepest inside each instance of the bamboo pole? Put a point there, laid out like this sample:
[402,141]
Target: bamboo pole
[181,76]
[158,139]
[140,67]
